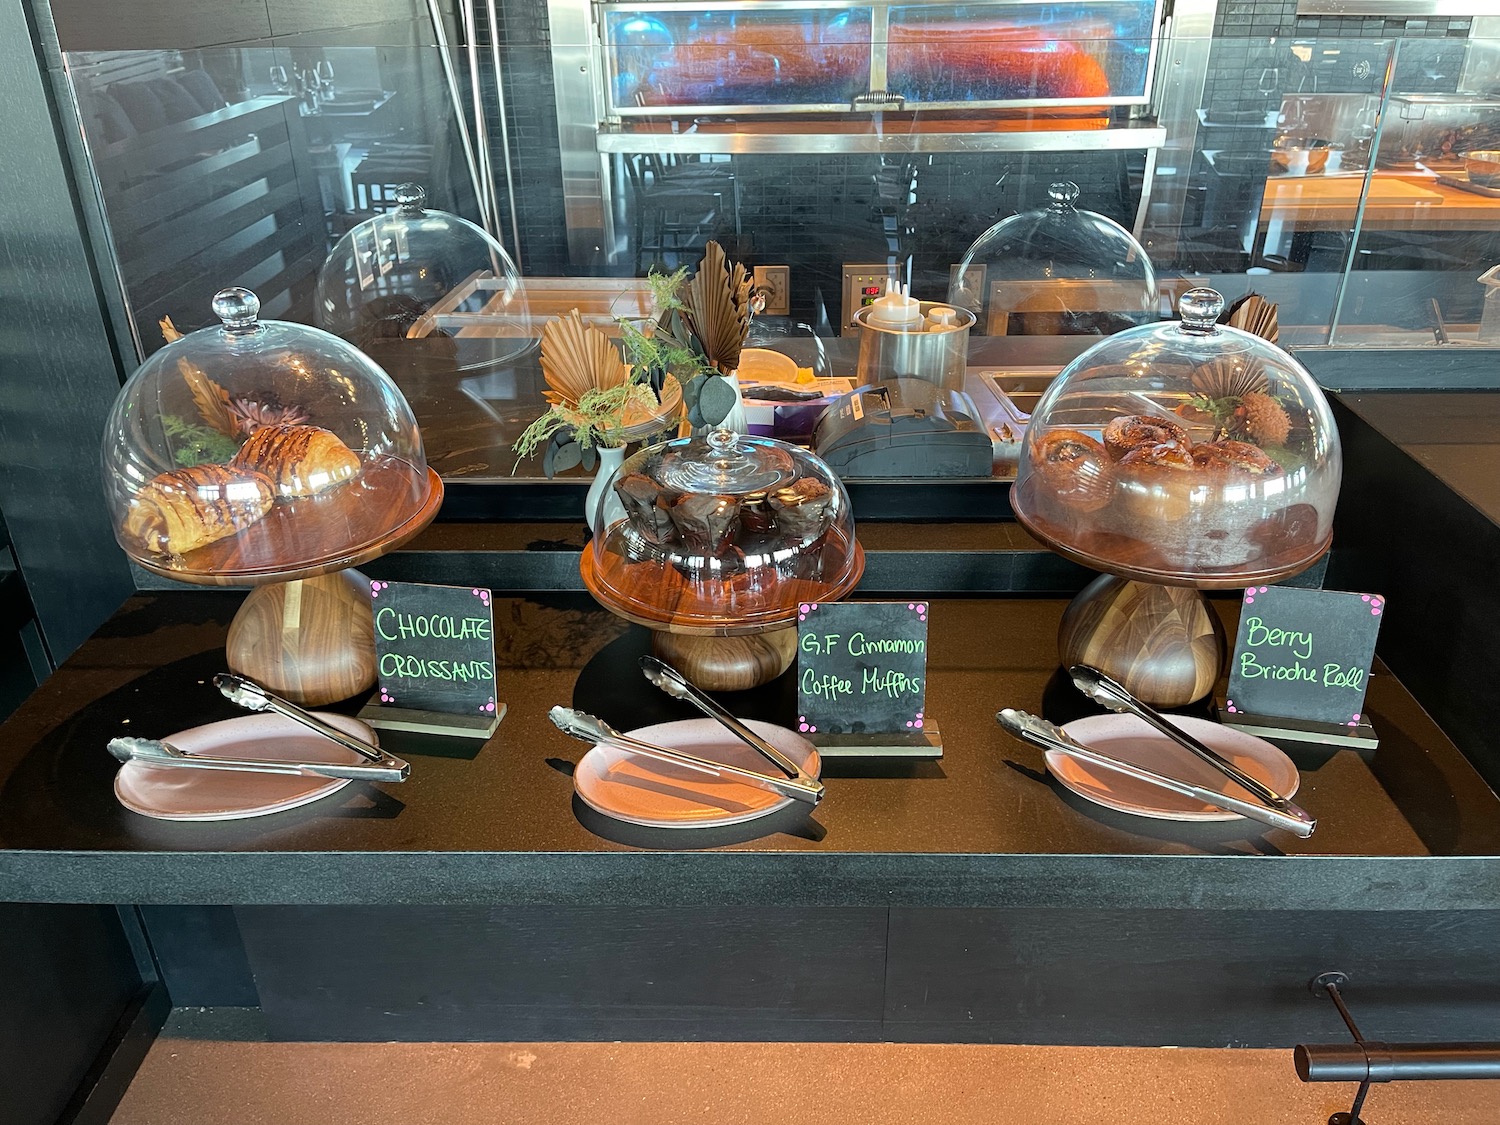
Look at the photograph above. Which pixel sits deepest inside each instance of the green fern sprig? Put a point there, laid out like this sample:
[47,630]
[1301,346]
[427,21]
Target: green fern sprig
[195,445]
[597,421]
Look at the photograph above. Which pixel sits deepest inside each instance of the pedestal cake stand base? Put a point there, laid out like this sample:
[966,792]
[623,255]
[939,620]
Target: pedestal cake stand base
[311,640]
[728,663]
[1165,644]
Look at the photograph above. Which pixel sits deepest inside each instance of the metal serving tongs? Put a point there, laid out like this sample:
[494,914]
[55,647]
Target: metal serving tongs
[150,752]
[1107,693]
[252,697]
[588,728]
[675,684]
[1049,736]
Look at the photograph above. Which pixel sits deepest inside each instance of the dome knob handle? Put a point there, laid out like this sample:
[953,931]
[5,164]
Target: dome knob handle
[1063,194]
[411,197]
[238,308]
[1200,310]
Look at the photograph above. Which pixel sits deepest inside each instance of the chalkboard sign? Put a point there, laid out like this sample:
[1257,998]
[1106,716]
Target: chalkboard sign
[435,647]
[861,667]
[1304,655]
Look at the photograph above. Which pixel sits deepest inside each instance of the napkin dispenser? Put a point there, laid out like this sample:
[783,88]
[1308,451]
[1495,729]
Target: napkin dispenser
[904,428]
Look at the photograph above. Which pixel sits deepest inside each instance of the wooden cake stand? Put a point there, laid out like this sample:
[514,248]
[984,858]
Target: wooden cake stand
[306,632]
[729,655]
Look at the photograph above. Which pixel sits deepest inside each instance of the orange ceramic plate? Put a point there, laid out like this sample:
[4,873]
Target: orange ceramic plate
[657,794]
[1134,741]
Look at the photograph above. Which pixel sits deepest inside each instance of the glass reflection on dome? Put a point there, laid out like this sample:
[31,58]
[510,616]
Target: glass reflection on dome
[1057,270]
[424,291]
[721,532]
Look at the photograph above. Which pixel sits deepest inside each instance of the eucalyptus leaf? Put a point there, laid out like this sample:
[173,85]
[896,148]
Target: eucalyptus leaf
[716,400]
[569,456]
[590,459]
[690,392]
[549,460]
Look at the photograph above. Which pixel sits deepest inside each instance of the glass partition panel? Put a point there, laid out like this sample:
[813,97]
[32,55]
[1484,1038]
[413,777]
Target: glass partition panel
[244,165]
[1428,235]
[1267,191]
[1249,164]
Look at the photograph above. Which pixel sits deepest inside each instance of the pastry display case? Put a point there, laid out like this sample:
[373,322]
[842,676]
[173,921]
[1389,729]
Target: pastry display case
[1186,453]
[421,289]
[258,450]
[1176,458]
[273,455]
[714,542]
[1056,270]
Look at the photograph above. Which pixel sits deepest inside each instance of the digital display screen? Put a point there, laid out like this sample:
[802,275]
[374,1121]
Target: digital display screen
[871,291]
[867,301]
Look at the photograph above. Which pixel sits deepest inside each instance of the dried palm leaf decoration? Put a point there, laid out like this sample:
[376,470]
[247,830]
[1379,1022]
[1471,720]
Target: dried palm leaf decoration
[577,358]
[716,304]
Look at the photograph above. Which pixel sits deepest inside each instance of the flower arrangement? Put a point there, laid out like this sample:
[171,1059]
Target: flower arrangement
[223,422]
[705,323]
[597,400]
[594,398]
[1234,395]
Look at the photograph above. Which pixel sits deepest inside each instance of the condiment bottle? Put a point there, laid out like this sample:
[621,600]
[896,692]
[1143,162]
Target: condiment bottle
[897,311]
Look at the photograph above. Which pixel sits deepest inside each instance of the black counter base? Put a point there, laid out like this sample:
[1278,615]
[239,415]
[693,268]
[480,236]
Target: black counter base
[1025,976]
[970,899]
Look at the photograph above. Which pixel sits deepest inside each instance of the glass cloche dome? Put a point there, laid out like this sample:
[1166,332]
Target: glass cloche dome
[257,450]
[721,534]
[424,291]
[1057,271]
[1188,454]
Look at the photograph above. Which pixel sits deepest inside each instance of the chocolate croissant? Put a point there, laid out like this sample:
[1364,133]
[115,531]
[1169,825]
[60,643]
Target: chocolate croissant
[300,460]
[184,509]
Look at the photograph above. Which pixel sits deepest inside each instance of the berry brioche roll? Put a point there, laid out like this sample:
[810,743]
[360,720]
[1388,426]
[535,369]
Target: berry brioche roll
[1076,469]
[1130,432]
[1234,456]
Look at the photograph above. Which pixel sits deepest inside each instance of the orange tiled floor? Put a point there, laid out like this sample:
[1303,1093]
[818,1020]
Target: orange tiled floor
[203,1082]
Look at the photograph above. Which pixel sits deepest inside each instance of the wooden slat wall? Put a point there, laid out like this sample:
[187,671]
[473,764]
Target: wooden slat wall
[226,198]
[88,25]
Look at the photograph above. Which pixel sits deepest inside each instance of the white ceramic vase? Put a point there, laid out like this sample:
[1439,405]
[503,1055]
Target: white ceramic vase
[609,464]
[735,420]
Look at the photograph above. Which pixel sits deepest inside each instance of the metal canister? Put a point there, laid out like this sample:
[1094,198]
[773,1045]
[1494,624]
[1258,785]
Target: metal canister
[937,350]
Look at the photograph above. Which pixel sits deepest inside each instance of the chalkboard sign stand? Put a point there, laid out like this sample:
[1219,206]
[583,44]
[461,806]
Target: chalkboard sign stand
[925,744]
[432,722]
[1301,666]
[435,654]
[861,680]
[1361,736]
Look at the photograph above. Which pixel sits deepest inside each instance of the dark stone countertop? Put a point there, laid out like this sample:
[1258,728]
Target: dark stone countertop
[1455,435]
[1411,826]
